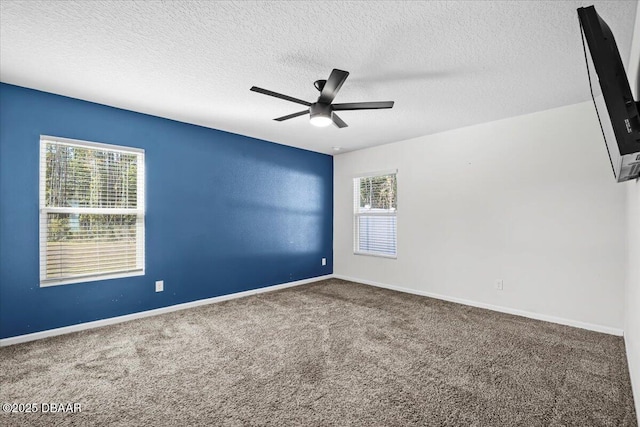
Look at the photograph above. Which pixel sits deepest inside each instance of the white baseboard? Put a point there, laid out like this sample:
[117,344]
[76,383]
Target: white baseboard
[523,313]
[633,365]
[119,319]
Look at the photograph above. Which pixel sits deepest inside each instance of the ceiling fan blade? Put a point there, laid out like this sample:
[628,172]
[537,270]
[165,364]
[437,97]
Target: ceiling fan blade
[362,105]
[332,86]
[279,95]
[291,116]
[338,121]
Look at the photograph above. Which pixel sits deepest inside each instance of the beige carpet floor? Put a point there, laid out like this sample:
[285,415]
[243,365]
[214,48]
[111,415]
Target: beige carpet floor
[332,353]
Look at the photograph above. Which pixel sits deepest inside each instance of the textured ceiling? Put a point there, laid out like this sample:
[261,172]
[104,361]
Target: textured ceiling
[445,64]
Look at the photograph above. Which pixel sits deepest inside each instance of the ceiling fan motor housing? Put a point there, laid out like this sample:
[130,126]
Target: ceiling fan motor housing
[322,115]
[319,109]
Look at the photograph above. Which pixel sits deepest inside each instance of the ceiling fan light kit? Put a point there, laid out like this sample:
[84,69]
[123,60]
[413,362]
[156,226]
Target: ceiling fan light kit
[320,114]
[322,111]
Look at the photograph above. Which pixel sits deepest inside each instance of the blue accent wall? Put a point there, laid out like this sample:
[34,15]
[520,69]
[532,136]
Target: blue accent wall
[224,213]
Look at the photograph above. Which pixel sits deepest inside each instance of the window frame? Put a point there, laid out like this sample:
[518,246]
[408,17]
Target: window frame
[139,211]
[357,215]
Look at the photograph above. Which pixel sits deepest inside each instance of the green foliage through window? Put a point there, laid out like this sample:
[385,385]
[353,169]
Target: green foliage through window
[379,192]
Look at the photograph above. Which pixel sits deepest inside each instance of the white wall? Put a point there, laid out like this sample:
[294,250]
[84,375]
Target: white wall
[531,200]
[632,309]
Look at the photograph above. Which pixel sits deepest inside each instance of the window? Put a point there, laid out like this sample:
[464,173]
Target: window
[375,206]
[91,211]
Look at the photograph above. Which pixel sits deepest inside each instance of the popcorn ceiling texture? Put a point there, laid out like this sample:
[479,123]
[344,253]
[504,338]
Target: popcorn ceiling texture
[446,64]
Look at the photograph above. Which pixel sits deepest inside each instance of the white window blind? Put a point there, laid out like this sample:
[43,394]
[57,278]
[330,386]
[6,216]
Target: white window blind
[91,211]
[375,221]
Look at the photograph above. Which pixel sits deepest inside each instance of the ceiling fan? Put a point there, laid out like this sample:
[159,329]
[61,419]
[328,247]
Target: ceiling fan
[322,111]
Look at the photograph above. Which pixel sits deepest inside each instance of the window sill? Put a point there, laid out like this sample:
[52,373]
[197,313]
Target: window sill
[83,279]
[376,255]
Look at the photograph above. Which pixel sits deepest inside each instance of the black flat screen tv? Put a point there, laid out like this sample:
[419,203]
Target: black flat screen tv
[615,106]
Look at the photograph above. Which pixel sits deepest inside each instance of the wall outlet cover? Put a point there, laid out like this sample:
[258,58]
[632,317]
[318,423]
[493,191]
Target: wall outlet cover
[159,285]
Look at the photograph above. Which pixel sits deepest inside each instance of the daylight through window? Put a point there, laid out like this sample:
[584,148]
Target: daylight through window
[375,220]
[91,211]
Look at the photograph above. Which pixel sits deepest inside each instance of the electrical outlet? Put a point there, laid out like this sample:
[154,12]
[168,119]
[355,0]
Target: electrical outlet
[159,285]
[499,284]
[324,261]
